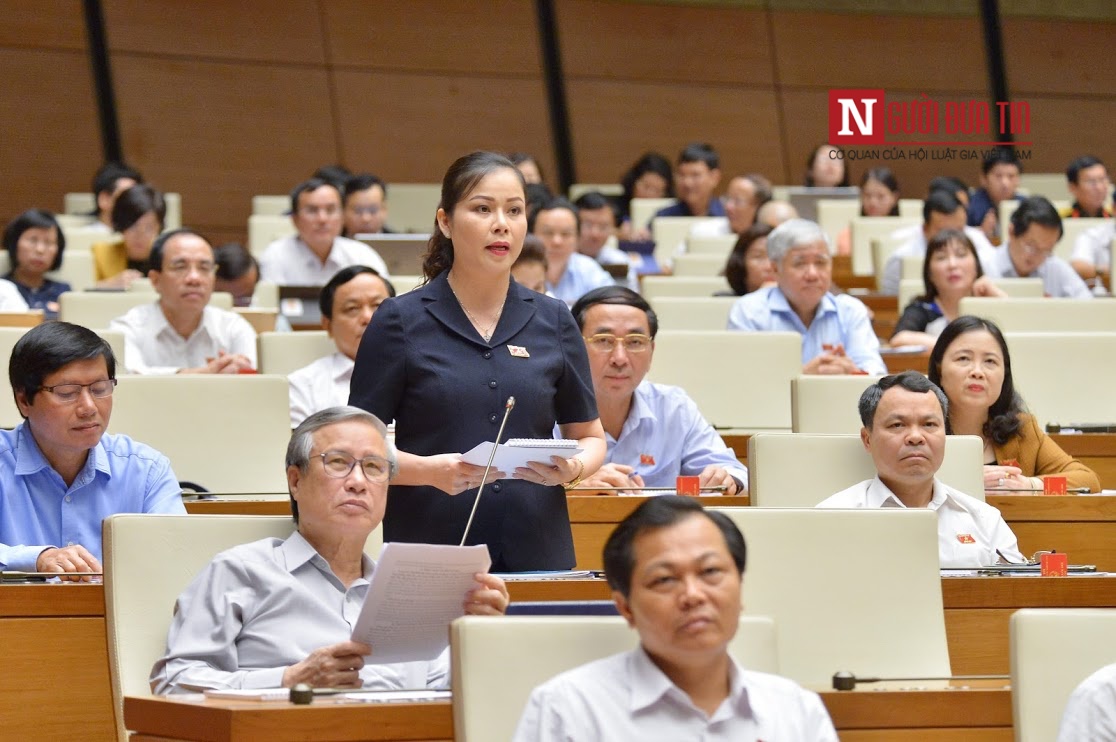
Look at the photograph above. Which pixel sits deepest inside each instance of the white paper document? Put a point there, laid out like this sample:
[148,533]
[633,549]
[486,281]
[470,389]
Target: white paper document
[250,694]
[518,451]
[416,590]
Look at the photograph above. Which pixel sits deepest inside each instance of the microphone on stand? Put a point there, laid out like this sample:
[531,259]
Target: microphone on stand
[495,445]
[847,681]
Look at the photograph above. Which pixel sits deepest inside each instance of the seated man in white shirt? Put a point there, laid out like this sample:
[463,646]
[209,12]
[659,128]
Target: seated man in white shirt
[941,210]
[180,333]
[277,612]
[654,432]
[1034,231]
[1090,714]
[347,304]
[904,431]
[837,334]
[676,572]
[1092,250]
[318,251]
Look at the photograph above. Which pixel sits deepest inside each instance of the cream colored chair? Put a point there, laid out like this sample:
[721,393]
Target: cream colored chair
[1051,185]
[412,206]
[1071,230]
[1044,314]
[266,295]
[227,433]
[687,266]
[670,233]
[262,320]
[642,209]
[271,205]
[693,312]
[739,380]
[497,662]
[852,590]
[1052,651]
[9,413]
[868,228]
[882,247]
[834,214]
[801,470]
[140,592]
[80,204]
[1015,288]
[911,208]
[577,190]
[98,308]
[284,352]
[403,284]
[263,229]
[827,404]
[143,285]
[910,267]
[1065,377]
[654,287]
[115,339]
[719,246]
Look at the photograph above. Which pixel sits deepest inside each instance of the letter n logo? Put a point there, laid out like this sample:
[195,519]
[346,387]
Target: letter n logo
[856,116]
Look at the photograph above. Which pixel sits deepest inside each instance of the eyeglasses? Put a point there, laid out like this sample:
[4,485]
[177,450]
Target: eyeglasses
[70,392]
[605,342]
[1035,252]
[181,268]
[365,210]
[331,210]
[339,464]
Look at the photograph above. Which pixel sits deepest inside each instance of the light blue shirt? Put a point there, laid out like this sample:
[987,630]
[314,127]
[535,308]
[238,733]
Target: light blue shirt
[839,319]
[1059,279]
[665,437]
[38,511]
[582,275]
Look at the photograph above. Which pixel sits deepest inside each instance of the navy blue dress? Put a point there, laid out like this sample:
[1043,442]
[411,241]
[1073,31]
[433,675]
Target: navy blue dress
[422,364]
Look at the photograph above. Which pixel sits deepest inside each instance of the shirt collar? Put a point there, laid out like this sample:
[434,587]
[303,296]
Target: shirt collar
[297,551]
[649,684]
[341,367]
[639,411]
[880,496]
[778,303]
[29,458]
[161,325]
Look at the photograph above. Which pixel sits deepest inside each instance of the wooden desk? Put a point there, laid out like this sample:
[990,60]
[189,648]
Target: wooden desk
[54,677]
[976,713]
[1096,450]
[899,362]
[1083,526]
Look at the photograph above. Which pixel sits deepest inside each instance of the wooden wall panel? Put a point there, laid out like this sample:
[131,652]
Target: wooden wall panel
[1065,128]
[409,128]
[50,133]
[50,24]
[219,133]
[908,52]
[663,43]
[615,122]
[280,31]
[456,37]
[1059,57]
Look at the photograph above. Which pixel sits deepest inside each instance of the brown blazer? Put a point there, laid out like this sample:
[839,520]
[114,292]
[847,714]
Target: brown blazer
[1038,455]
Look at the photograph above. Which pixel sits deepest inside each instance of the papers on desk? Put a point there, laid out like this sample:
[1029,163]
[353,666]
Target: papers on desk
[250,694]
[562,574]
[518,451]
[398,696]
[1005,570]
[416,590]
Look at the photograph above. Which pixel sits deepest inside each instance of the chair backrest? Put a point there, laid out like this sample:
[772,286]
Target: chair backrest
[868,228]
[1065,377]
[263,229]
[801,470]
[882,246]
[411,206]
[739,380]
[84,203]
[497,662]
[698,265]
[910,208]
[9,413]
[653,287]
[284,352]
[670,232]
[1071,230]
[1052,186]
[225,433]
[720,246]
[854,590]
[577,190]
[98,308]
[641,210]
[271,205]
[142,285]
[693,312]
[405,283]
[77,268]
[140,592]
[827,404]
[834,214]
[1052,651]
[266,295]
[1015,288]
[1043,314]
[262,320]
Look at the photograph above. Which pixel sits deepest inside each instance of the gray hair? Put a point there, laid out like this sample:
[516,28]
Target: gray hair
[912,381]
[791,234]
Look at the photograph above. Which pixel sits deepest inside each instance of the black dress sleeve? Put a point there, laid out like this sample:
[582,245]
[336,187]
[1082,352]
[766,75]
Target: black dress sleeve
[915,318]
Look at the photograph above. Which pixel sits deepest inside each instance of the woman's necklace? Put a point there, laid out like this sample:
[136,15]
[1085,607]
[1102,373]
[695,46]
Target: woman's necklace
[477,324]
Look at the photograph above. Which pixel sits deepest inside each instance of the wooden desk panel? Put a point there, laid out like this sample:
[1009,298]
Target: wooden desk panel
[898,362]
[981,712]
[1083,526]
[1096,450]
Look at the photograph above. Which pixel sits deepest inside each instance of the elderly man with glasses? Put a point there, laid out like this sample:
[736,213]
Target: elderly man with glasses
[654,432]
[61,474]
[180,333]
[277,612]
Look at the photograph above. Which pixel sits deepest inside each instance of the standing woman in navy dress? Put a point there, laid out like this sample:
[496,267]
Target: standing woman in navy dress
[442,360]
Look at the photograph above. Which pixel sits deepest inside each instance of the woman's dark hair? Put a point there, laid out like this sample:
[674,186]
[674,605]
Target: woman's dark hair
[885,177]
[32,219]
[939,242]
[1003,416]
[461,178]
[736,267]
[134,203]
[650,162]
[809,180]
[518,158]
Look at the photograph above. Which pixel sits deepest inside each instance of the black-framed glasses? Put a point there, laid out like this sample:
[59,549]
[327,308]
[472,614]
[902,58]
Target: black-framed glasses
[339,464]
[70,392]
[605,342]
